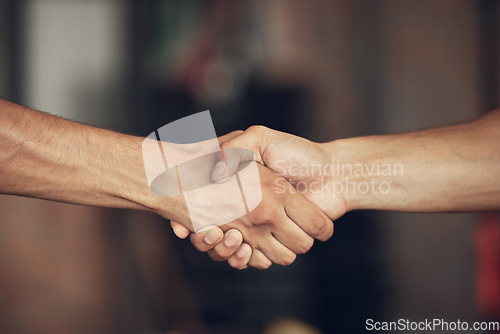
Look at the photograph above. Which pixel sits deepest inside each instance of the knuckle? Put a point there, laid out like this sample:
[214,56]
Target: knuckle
[328,233]
[288,260]
[318,225]
[257,129]
[225,145]
[263,215]
[306,246]
[278,191]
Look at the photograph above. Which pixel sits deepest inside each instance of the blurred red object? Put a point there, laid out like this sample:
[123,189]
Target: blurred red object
[488,266]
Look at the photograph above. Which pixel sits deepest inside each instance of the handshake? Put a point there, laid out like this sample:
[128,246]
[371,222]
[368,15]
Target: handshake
[307,185]
[300,199]
[304,185]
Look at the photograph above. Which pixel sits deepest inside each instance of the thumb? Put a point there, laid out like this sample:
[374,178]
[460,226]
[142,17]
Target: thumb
[179,230]
[232,158]
[241,147]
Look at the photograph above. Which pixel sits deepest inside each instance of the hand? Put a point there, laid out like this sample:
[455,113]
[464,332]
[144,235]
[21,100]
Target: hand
[281,226]
[310,218]
[298,160]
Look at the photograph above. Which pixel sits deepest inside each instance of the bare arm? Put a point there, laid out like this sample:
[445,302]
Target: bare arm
[45,156]
[455,168]
[49,157]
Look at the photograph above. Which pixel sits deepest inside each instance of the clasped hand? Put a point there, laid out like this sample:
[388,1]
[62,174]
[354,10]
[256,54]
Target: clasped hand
[287,220]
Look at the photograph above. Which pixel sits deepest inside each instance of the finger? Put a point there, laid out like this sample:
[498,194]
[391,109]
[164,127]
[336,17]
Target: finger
[207,238]
[309,217]
[220,167]
[293,237]
[223,250]
[276,252]
[239,260]
[259,260]
[179,230]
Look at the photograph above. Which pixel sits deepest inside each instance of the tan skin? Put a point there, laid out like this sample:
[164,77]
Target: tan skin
[45,156]
[448,169]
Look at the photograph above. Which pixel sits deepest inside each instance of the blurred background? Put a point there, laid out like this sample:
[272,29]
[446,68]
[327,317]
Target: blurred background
[323,69]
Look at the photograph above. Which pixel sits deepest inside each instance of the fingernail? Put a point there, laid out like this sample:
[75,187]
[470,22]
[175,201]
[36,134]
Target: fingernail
[231,240]
[242,252]
[211,237]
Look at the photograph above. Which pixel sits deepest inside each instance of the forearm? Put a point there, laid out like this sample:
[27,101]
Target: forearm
[48,157]
[455,168]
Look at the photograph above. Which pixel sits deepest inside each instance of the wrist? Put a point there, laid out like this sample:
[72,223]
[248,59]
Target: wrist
[135,188]
[356,173]
[123,175]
